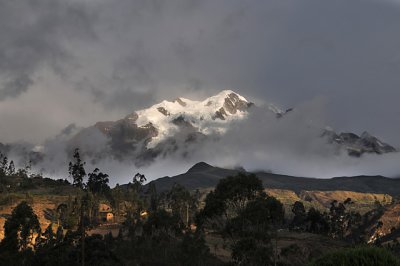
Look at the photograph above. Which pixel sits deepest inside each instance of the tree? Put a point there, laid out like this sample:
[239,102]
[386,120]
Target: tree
[248,251]
[3,164]
[300,216]
[135,189]
[20,228]
[59,235]
[48,240]
[316,221]
[138,181]
[26,171]
[343,223]
[68,214]
[240,210]
[154,199]
[98,183]
[253,229]
[194,250]
[182,203]
[162,224]
[98,253]
[116,198]
[11,168]
[231,196]
[76,170]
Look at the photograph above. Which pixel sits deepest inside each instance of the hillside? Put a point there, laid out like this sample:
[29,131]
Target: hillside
[361,202]
[203,175]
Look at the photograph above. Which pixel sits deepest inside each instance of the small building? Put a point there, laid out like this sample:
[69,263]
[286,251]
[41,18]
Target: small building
[105,213]
[144,214]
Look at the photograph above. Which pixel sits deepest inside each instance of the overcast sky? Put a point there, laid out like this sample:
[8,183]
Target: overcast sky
[65,62]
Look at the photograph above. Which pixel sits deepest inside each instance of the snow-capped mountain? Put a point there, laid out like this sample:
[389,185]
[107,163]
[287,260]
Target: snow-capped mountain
[181,125]
[153,126]
[213,115]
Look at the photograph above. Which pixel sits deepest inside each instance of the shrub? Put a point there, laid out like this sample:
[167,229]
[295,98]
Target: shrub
[359,256]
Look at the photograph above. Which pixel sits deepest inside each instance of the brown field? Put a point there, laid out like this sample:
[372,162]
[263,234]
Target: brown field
[325,197]
[321,200]
[38,203]
[390,219]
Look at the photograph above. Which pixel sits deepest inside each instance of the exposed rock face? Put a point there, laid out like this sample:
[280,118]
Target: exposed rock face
[373,144]
[220,114]
[181,102]
[233,103]
[357,145]
[123,137]
[126,130]
[163,111]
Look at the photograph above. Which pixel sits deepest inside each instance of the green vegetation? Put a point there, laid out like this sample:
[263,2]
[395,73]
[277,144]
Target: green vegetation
[76,170]
[239,210]
[359,256]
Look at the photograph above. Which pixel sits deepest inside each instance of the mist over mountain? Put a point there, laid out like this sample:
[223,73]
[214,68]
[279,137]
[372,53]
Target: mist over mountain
[180,126]
[226,129]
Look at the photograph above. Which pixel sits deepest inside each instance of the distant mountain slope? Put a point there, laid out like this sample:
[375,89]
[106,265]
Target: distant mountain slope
[366,184]
[203,175]
[357,145]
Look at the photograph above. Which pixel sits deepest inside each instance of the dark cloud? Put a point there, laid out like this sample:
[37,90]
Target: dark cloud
[346,51]
[85,61]
[15,86]
[34,35]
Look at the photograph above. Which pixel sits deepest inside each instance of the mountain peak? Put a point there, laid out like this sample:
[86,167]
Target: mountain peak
[366,135]
[212,115]
[357,145]
[199,167]
[227,94]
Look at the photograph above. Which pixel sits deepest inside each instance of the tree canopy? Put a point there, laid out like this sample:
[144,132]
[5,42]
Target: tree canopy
[76,170]
[20,228]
